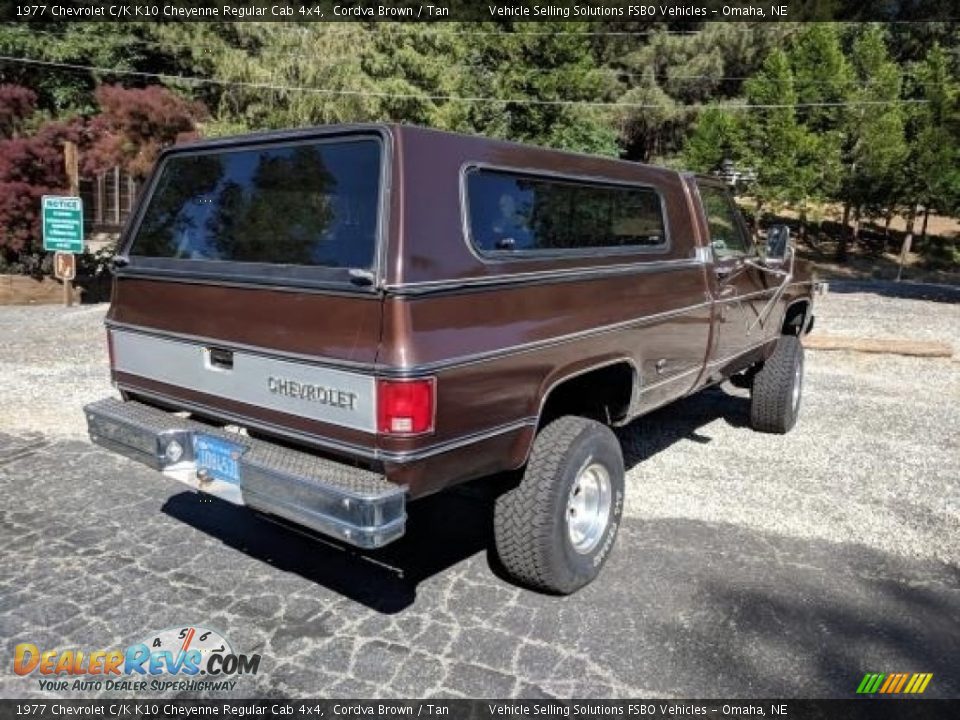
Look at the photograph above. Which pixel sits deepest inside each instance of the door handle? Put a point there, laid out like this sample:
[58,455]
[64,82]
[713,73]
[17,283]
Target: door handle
[726,271]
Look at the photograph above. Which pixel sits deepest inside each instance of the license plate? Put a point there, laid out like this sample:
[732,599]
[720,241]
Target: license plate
[219,458]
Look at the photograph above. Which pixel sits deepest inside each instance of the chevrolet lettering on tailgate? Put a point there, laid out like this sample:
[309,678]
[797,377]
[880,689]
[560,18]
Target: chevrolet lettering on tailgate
[317,393]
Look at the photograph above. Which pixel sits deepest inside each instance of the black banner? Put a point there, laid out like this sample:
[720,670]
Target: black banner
[119,709]
[60,11]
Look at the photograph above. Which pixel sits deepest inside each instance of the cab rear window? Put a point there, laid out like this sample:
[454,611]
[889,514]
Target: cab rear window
[305,204]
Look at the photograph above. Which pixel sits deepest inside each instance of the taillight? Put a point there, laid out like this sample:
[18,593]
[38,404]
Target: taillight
[406,407]
[110,347]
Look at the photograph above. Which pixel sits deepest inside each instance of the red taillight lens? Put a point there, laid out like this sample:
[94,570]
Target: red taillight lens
[405,407]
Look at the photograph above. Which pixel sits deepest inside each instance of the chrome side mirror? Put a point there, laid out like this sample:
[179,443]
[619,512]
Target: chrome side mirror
[778,244]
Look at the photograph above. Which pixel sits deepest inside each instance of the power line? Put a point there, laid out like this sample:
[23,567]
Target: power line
[269,52]
[445,98]
[335,27]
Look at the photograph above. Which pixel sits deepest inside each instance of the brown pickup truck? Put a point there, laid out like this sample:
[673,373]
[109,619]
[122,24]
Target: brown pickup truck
[325,324]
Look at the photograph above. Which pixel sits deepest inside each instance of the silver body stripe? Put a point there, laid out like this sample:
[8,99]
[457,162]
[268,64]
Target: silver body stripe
[298,387]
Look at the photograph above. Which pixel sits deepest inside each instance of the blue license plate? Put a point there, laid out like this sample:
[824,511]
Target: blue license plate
[219,458]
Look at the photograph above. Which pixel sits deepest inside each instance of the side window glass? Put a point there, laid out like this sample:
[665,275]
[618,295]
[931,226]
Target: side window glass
[527,214]
[726,232]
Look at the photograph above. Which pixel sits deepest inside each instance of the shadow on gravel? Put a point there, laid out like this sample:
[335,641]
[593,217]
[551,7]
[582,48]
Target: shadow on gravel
[682,420]
[903,290]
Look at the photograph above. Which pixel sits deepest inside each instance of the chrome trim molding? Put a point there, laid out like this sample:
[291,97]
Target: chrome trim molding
[423,368]
[745,351]
[324,443]
[299,286]
[462,441]
[637,380]
[673,378]
[319,442]
[546,276]
[464,360]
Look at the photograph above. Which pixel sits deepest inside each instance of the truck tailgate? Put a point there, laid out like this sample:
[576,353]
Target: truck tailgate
[298,364]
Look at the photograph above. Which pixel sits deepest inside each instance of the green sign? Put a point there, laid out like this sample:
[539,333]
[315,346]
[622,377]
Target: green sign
[63,223]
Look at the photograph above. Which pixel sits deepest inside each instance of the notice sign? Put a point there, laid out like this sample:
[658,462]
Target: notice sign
[62,223]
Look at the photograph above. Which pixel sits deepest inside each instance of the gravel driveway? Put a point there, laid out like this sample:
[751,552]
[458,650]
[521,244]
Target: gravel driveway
[748,565]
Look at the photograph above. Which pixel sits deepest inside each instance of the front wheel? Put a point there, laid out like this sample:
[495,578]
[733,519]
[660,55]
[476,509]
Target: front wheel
[777,388]
[554,531]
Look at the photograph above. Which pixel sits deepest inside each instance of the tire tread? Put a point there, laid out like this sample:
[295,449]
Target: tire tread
[521,529]
[771,408]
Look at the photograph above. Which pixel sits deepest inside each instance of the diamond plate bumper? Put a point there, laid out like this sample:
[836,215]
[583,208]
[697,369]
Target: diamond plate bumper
[353,504]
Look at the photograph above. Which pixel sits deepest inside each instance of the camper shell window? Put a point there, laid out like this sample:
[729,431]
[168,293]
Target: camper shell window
[303,209]
[511,214]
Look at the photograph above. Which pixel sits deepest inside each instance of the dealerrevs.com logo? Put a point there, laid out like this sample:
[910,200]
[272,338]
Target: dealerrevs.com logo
[186,658]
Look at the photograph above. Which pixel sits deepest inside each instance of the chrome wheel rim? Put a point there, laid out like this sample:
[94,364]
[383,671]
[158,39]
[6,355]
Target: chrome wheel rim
[588,507]
[797,385]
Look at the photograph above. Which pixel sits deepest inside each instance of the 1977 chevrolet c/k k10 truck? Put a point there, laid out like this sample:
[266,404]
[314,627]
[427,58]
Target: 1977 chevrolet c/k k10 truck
[326,324]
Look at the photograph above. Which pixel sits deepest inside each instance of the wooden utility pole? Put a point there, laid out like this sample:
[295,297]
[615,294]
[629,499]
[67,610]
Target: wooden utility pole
[71,162]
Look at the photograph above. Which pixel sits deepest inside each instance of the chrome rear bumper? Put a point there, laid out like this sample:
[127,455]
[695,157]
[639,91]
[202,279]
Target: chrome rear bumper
[353,504]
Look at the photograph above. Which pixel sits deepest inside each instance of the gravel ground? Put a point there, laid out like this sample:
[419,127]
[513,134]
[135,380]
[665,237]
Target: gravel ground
[875,458]
[877,309]
[53,360]
[747,565]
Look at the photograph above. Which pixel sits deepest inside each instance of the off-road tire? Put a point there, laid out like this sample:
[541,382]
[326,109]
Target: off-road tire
[773,406]
[531,532]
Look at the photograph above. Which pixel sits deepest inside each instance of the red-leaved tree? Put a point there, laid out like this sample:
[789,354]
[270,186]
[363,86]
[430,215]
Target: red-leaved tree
[31,167]
[16,104]
[134,125]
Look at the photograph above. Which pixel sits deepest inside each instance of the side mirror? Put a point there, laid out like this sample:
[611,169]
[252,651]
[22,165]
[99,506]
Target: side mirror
[778,241]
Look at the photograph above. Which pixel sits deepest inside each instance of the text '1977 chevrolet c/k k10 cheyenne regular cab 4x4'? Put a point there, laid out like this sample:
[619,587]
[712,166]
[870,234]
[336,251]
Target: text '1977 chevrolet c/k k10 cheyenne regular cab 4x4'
[326,324]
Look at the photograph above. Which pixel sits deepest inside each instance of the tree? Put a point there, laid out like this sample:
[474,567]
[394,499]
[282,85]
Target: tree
[539,82]
[823,80]
[17,103]
[877,145]
[718,135]
[135,124]
[775,141]
[931,171]
[676,73]
[29,169]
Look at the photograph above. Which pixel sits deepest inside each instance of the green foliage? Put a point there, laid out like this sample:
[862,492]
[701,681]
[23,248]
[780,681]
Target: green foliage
[717,135]
[932,172]
[539,82]
[775,140]
[878,144]
[865,115]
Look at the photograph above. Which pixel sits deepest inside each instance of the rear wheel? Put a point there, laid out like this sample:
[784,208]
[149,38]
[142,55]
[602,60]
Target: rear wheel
[554,531]
[778,388]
